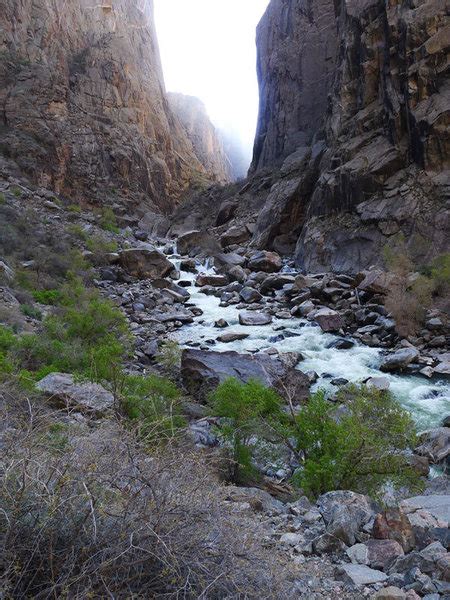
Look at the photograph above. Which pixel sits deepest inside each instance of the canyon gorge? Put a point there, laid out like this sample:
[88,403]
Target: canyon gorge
[218,382]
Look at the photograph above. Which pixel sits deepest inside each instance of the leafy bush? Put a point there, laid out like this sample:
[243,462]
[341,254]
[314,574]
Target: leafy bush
[169,357]
[74,208]
[360,449]
[154,403]
[31,311]
[87,335]
[100,248]
[440,273]
[49,297]
[108,220]
[7,339]
[2,198]
[249,410]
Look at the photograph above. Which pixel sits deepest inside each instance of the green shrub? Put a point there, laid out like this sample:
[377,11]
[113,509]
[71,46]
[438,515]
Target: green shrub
[74,208]
[108,220]
[31,311]
[169,357]
[17,192]
[154,404]
[361,449]
[87,335]
[49,297]
[2,198]
[249,409]
[7,339]
[440,273]
[100,248]
[77,231]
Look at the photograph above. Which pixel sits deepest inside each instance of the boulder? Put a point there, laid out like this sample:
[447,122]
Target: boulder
[436,505]
[382,553]
[328,319]
[327,544]
[360,575]
[202,371]
[399,360]
[269,262]
[375,281]
[275,282]
[393,524]
[345,513]
[253,318]
[232,337]
[358,554]
[250,295]
[390,593]
[435,444]
[379,383]
[145,264]
[196,242]
[213,280]
[235,235]
[90,398]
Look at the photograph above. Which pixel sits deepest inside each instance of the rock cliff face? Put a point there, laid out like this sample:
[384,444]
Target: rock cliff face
[205,139]
[357,92]
[83,107]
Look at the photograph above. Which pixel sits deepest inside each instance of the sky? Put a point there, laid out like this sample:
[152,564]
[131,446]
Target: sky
[208,50]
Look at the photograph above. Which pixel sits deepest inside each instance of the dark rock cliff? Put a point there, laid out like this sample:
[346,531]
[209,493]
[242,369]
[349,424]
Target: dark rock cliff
[205,138]
[355,106]
[83,108]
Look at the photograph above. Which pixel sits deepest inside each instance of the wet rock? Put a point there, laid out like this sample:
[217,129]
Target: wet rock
[232,337]
[250,295]
[90,398]
[303,309]
[339,381]
[145,264]
[196,242]
[235,235]
[269,262]
[442,369]
[212,280]
[275,282]
[379,383]
[221,324]
[393,524]
[360,575]
[203,370]
[341,344]
[251,318]
[328,319]
[381,553]
[399,359]
[435,444]
[312,376]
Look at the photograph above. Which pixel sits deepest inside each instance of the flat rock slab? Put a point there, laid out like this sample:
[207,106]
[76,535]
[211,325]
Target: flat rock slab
[203,370]
[144,263]
[232,337]
[399,360]
[438,506]
[254,318]
[360,575]
[84,397]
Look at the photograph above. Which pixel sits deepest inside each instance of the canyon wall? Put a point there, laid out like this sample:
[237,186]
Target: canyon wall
[83,109]
[204,137]
[355,108]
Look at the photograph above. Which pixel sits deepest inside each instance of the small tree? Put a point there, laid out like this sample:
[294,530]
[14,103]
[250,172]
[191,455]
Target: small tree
[359,448]
[248,409]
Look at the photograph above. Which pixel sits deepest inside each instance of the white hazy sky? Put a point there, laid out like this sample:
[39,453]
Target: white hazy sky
[208,50]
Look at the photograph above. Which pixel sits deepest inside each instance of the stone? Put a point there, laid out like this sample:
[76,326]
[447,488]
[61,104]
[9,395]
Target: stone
[213,280]
[145,264]
[442,369]
[253,318]
[379,383]
[235,235]
[433,551]
[358,511]
[358,554]
[5,271]
[341,344]
[435,444]
[393,524]
[399,359]
[304,309]
[275,282]
[90,398]
[375,281]
[232,337]
[202,371]
[250,295]
[269,262]
[381,553]
[327,544]
[291,539]
[328,319]
[410,561]
[390,593]
[221,324]
[360,575]
[436,505]
[195,242]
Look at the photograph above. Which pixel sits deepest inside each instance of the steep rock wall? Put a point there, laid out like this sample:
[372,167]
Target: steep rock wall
[205,139]
[372,169]
[82,101]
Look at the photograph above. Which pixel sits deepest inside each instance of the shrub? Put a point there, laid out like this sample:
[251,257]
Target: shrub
[440,273]
[154,404]
[169,357]
[100,248]
[2,198]
[31,311]
[87,335]
[249,410]
[108,220]
[359,449]
[49,297]
[7,339]
[17,192]
[74,208]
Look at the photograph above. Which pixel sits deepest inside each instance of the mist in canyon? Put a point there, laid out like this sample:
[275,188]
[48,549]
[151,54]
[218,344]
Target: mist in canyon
[208,51]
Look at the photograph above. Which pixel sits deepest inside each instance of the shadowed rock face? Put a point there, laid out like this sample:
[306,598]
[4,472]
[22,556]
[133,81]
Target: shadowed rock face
[83,108]
[357,93]
[205,139]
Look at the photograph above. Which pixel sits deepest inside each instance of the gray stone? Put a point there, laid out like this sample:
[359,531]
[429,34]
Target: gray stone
[90,398]
[145,264]
[358,554]
[390,593]
[328,319]
[437,505]
[360,575]
[399,360]
[253,318]
[232,337]
[250,295]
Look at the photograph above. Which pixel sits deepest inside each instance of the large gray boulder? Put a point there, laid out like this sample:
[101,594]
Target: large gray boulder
[145,264]
[360,575]
[399,360]
[89,398]
[253,318]
[435,444]
[345,513]
[202,371]
[328,319]
[269,262]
